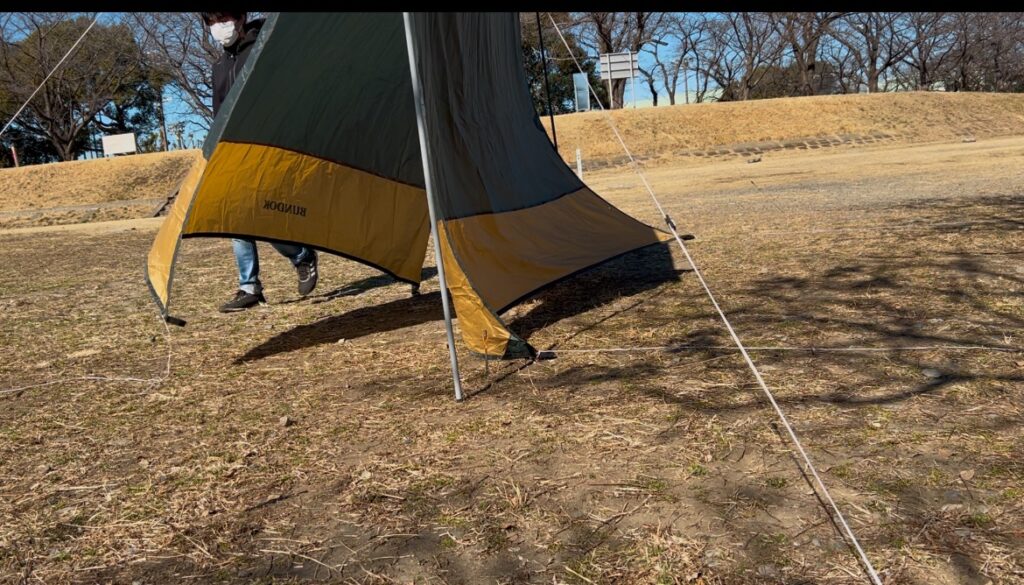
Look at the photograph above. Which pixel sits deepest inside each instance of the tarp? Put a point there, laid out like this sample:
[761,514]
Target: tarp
[317,144]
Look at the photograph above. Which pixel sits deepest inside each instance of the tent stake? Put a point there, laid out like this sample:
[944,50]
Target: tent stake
[421,125]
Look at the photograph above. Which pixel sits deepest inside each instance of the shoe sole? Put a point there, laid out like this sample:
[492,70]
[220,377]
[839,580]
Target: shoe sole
[240,309]
[316,281]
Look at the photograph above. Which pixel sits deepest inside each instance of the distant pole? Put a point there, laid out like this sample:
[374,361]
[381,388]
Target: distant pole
[547,87]
[14,153]
[686,81]
[632,77]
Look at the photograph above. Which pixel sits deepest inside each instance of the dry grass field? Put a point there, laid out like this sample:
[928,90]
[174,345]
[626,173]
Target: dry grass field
[317,440]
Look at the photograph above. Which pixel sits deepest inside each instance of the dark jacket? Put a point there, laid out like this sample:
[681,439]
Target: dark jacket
[226,69]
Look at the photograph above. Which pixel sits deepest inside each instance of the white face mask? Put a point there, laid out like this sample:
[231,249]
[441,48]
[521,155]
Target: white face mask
[224,33]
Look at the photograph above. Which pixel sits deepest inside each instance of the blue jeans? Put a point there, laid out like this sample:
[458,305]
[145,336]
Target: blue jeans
[249,262]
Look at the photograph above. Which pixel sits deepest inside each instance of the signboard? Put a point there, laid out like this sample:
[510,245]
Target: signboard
[119,144]
[582,86]
[619,65]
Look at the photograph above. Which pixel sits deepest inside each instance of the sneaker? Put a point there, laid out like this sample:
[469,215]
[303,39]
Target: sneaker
[307,275]
[242,301]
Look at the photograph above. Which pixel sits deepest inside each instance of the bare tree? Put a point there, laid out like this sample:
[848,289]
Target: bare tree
[931,41]
[740,48]
[803,32]
[648,76]
[843,64]
[106,65]
[666,63]
[685,31]
[971,40]
[715,59]
[177,42]
[876,41]
[1004,51]
[986,52]
[702,51]
[613,32]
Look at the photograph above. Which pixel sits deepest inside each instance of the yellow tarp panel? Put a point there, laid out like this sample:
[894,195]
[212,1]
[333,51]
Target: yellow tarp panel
[482,332]
[161,254]
[507,255]
[279,194]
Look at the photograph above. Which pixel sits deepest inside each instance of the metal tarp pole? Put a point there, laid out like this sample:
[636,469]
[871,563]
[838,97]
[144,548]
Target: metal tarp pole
[421,125]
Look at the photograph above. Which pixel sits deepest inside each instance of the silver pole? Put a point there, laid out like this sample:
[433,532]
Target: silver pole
[421,125]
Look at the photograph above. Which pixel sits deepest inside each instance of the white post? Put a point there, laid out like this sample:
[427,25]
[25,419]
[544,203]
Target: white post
[421,125]
[579,164]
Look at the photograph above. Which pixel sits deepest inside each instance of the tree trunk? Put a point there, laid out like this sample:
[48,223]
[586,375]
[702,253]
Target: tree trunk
[66,152]
[618,93]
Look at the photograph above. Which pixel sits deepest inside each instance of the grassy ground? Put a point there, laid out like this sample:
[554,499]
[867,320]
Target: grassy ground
[142,176]
[912,117]
[317,440]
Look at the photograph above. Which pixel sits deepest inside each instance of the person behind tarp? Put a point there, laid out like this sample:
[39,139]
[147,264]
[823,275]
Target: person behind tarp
[237,36]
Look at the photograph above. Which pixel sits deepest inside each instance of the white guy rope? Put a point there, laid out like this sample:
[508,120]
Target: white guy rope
[739,344]
[47,78]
